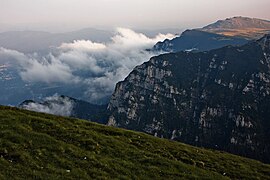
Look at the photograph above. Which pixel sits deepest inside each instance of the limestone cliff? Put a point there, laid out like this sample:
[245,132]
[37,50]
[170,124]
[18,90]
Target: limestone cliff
[218,99]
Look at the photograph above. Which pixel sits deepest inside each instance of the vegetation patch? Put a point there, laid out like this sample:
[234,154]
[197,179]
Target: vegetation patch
[41,146]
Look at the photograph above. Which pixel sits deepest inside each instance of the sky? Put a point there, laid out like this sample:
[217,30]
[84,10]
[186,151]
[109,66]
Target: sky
[147,14]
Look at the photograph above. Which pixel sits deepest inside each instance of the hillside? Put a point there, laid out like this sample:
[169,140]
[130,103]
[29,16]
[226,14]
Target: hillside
[42,146]
[249,28]
[217,99]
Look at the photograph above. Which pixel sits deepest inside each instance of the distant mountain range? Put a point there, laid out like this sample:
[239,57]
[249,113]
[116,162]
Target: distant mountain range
[42,42]
[217,99]
[231,31]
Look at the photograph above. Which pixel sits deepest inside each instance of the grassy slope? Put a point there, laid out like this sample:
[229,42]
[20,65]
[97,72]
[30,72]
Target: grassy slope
[41,146]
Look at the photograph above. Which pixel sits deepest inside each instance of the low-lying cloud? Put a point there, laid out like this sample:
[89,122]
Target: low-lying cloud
[97,66]
[56,105]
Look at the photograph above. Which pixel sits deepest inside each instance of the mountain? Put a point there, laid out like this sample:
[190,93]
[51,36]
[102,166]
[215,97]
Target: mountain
[41,146]
[231,31]
[195,40]
[217,99]
[249,28]
[67,106]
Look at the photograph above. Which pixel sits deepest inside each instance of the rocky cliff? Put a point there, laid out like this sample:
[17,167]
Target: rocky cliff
[218,99]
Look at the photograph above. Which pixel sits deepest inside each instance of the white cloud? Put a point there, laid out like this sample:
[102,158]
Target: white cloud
[80,45]
[48,70]
[128,39]
[54,105]
[96,66]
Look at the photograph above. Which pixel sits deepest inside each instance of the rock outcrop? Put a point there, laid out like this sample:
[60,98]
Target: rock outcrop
[218,99]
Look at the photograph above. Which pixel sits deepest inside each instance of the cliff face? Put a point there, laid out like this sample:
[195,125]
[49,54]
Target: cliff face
[218,99]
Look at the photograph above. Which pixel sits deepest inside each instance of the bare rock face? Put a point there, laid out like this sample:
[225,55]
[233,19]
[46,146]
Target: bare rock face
[218,99]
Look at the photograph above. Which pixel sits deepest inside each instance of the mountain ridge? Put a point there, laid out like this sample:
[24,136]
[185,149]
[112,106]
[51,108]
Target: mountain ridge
[231,31]
[240,22]
[197,40]
[249,28]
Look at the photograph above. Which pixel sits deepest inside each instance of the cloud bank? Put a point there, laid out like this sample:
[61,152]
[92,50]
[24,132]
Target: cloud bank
[96,66]
[56,105]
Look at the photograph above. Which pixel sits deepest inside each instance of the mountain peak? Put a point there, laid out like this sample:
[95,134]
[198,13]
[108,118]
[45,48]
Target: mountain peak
[250,28]
[240,22]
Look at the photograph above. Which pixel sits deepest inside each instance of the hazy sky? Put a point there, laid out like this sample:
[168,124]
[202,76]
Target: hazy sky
[128,13]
